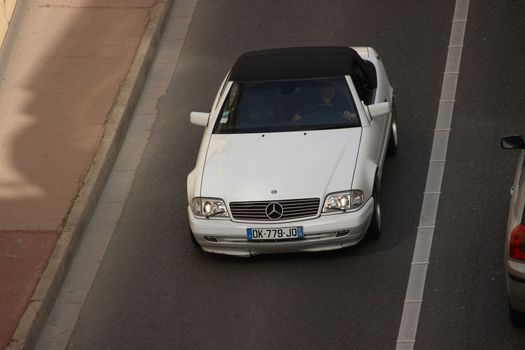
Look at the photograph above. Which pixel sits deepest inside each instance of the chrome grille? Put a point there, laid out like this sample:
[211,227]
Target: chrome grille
[292,209]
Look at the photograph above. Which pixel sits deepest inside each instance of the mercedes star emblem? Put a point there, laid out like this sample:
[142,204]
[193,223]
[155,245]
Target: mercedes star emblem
[274,211]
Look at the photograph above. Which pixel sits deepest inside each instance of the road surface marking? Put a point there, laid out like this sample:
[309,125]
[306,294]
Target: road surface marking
[406,337]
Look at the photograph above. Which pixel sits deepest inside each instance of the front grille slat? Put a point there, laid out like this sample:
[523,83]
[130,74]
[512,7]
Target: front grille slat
[243,210]
[292,209]
[302,207]
[302,212]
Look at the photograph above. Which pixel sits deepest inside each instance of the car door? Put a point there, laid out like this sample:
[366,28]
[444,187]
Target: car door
[517,190]
[379,130]
[379,124]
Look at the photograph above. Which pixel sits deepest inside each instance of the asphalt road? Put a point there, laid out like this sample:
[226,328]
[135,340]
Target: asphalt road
[156,290]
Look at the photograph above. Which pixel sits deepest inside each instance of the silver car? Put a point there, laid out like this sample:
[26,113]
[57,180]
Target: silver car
[515,242]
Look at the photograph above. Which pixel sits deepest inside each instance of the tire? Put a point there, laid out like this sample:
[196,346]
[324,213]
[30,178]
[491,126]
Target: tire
[516,317]
[393,138]
[374,230]
[193,240]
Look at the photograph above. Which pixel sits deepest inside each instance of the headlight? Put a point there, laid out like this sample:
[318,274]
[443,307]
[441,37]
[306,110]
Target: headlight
[343,201]
[208,207]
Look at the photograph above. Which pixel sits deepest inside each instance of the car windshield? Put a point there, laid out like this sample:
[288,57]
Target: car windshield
[291,105]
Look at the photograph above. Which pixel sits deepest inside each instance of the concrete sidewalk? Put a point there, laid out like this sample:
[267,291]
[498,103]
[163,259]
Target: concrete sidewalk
[71,73]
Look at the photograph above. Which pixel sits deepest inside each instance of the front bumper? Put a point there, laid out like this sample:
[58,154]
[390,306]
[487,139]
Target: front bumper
[224,236]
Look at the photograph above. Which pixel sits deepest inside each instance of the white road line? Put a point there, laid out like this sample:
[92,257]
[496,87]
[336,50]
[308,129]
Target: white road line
[406,337]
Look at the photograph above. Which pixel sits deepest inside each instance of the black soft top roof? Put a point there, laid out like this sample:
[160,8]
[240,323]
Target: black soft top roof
[301,63]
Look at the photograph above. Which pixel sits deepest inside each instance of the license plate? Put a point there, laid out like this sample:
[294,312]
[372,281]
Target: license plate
[271,234]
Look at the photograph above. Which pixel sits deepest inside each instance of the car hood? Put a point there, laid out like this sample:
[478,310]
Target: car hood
[249,167]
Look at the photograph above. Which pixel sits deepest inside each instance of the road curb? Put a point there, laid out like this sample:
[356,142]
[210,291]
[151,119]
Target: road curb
[47,290]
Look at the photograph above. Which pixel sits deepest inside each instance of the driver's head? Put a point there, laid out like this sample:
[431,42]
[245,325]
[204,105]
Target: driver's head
[327,92]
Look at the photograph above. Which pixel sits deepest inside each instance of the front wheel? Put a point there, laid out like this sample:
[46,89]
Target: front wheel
[374,230]
[517,318]
[193,240]
[392,141]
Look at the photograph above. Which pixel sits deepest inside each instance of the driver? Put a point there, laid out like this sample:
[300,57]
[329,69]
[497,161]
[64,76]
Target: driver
[327,92]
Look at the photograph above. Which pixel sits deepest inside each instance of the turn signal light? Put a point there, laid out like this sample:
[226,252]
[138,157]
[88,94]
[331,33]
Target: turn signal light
[517,243]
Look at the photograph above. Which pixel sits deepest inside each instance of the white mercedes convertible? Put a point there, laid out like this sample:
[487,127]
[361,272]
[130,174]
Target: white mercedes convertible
[292,153]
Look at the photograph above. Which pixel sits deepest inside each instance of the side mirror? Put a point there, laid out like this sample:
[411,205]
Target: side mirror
[199,118]
[513,142]
[379,109]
